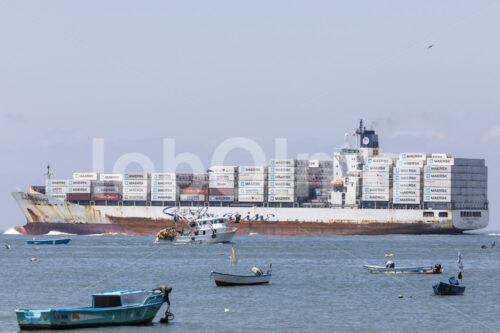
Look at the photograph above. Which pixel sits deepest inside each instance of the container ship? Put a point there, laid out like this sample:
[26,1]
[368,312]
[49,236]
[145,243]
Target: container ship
[361,191]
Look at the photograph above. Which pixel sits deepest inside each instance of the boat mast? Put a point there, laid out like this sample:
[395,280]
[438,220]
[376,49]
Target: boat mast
[48,174]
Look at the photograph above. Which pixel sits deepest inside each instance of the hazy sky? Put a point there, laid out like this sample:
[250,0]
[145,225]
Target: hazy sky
[135,72]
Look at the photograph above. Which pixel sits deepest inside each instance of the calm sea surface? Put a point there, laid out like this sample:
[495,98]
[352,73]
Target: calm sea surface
[318,282]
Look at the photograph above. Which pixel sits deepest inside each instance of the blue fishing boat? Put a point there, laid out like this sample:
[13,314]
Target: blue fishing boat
[48,241]
[443,288]
[116,307]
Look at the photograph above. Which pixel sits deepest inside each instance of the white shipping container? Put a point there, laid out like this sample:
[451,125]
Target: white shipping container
[251,190]
[135,176]
[221,177]
[58,196]
[251,169]
[281,184]
[79,189]
[134,197]
[84,175]
[375,190]
[314,163]
[373,174]
[163,176]
[438,176]
[436,198]
[56,182]
[407,177]
[162,197]
[376,182]
[135,183]
[406,200]
[106,189]
[225,198]
[281,176]
[437,155]
[192,197]
[375,197]
[441,161]
[437,190]
[278,191]
[56,189]
[250,198]
[380,160]
[251,183]
[135,189]
[221,169]
[164,190]
[405,192]
[280,198]
[111,176]
[410,163]
[282,162]
[407,170]
[221,184]
[287,170]
[251,176]
[412,156]
[406,185]
[377,167]
[76,182]
[164,183]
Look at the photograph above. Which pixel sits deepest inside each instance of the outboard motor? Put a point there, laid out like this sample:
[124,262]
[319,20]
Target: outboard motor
[257,271]
[390,264]
[437,269]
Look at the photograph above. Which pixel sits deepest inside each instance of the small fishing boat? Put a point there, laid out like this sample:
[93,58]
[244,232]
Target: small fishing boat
[436,269]
[48,241]
[453,287]
[204,230]
[116,307]
[229,279]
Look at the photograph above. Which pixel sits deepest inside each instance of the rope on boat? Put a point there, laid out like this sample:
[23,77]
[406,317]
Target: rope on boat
[169,316]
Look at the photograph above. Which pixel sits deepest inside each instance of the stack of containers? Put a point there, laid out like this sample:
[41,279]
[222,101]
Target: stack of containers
[163,186]
[56,188]
[221,183]
[376,179]
[281,180]
[80,187]
[407,185]
[459,181]
[320,176]
[193,187]
[135,187]
[108,187]
[251,181]
[302,184]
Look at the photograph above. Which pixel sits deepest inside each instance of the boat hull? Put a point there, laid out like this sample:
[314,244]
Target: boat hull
[49,242]
[226,280]
[446,289]
[219,237]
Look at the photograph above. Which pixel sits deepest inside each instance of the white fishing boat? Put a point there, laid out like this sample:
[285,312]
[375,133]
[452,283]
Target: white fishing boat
[436,269]
[204,230]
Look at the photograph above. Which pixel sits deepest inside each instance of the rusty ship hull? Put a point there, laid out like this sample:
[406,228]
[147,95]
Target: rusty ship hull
[44,214]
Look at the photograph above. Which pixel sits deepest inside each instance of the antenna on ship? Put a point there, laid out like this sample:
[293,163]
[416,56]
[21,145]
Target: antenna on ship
[48,174]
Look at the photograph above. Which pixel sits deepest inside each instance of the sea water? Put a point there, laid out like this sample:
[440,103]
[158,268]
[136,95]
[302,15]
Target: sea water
[318,283]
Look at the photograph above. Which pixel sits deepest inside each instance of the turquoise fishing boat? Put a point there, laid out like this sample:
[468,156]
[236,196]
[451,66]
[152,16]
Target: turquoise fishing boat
[115,307]
[48,241]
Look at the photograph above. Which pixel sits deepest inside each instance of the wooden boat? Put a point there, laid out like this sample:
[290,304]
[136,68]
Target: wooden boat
[436,269]
[116,307]
[443,288]
[49,241]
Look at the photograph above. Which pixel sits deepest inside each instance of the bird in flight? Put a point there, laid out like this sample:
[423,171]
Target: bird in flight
[430,46]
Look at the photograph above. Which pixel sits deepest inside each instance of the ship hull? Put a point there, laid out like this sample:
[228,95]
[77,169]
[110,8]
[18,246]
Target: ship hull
[44,214]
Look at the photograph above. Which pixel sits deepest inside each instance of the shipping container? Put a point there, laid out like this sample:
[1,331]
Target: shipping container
[440,161]
[136,189]
[280,198]
[438,190]
[84,183]
[285,170]
[282,162]
[225,198]
[99,183]
[281,184]
[163,197]
[438,176]
[250,198]
[251,169]
[85,176]
[221,184]
[326,164]
[252,183]
[413,156]
[455,183]
[221,169]
[56,182]
[106,189]
[408,170]
[406,200]
[251,190]
[135,176]
[375,197]
[278,191]
[406,185]
[410,163]
[79,196]
[135,183]
[407,177]
[376,182]
[478,162]
[373,174]
[437,198]
[163,176]
[314,163]
[221,191]
[457,169]
[78,189]
[436,155]
[158,183]
[402,192]
[251,176]
[56,189]
[377,167]
[106,196]
[380,160]
[375,190]
[111,176]
[194,190]
[135,197]
[60,196]
[192,197]
[164,190]
[221,177]
[281,177]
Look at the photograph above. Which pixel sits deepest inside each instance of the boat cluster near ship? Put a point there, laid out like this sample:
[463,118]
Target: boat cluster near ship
[360,191]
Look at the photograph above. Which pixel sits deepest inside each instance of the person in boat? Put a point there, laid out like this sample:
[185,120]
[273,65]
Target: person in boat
[165,290]
[453,281]
[390,264]
[493,244]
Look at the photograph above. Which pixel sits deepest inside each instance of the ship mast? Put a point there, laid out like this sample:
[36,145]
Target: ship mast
[48,174]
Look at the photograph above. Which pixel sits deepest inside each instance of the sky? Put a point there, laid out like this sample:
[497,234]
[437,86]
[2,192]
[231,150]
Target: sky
[424,74]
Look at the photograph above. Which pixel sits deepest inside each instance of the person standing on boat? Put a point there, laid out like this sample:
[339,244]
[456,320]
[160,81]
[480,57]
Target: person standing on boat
[390,264]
